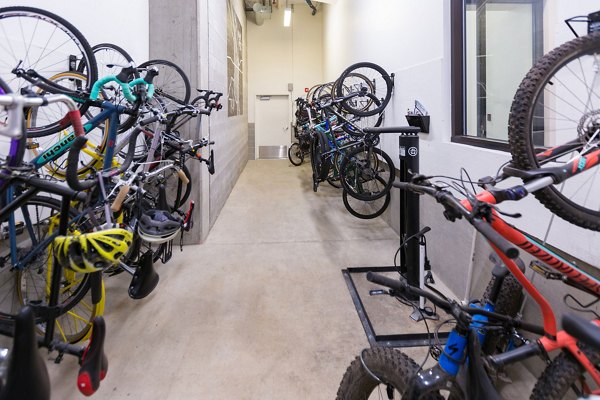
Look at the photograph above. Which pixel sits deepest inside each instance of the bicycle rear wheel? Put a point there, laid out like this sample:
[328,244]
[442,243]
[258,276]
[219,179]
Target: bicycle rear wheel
[370,79]
[555,116]
[44,42]
[171,85]
[366,209]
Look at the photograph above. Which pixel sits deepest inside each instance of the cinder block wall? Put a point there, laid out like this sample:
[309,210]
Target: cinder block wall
[193,34]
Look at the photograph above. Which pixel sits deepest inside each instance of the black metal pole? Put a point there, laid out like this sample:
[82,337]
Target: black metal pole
[409,208]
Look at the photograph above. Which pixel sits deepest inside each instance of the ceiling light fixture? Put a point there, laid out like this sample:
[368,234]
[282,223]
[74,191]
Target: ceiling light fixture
[287,17]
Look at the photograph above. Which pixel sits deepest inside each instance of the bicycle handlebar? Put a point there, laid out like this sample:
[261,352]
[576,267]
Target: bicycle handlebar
[456,209]
[15,104]
[146,82]
[461,313]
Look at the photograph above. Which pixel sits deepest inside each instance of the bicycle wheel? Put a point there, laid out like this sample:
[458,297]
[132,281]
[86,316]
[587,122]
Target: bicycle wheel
[563,374]
[393,369]
[366,209]
[110,60]
[556,105]
[370,79]
[320,161]
[177,191]
[171,85]
[295,154]
[29,283]
[38,116]
[509,301]
[367,173]
[44,42]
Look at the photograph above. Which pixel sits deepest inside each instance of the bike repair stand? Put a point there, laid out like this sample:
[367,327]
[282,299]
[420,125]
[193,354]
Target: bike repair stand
[412,256]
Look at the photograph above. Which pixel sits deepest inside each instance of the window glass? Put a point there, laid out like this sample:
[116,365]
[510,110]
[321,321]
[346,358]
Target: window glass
[502,40]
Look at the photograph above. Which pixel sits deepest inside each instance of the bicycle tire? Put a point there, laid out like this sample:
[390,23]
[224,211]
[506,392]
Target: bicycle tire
[366,209]
[69,43]
[321,163]
[173,185]
[362,182]
[110,59]
[378,85]
[30,284]
[561,375]
[295,155]
[552,81]
[509,301]
[171,85]
[390,366]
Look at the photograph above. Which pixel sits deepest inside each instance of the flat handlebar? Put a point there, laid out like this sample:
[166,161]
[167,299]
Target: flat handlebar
[453,204]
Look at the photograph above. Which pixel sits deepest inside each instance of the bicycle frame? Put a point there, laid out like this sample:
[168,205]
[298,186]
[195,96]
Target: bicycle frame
[110,112]
[552,339]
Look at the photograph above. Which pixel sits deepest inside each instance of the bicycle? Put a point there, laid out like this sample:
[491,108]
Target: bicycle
[59,245]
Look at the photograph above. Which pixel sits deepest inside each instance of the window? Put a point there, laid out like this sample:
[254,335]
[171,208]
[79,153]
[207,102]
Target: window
[494,44]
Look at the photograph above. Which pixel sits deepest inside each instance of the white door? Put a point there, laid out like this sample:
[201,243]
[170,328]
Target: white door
[272,129]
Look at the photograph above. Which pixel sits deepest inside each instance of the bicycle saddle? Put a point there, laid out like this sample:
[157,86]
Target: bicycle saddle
[26,375]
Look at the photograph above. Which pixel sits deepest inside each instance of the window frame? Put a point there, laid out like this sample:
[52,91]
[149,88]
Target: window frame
[458,72]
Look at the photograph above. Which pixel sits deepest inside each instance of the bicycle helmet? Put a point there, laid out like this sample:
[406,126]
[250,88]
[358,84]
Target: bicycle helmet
[94,251]
[158,226]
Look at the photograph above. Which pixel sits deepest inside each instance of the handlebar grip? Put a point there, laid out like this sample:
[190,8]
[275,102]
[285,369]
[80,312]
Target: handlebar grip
[94,363]
[403,287]
[75,117]
[73,162]
[116,205]
[184,179]
[395,284]
[582,329]
[507,248]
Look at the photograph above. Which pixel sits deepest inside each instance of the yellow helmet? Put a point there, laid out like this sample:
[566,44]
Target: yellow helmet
[94,251]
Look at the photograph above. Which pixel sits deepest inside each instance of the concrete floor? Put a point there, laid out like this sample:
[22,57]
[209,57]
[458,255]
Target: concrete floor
[259,311]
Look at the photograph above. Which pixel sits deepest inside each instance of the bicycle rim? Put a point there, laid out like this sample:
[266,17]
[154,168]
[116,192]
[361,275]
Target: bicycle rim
[39,40]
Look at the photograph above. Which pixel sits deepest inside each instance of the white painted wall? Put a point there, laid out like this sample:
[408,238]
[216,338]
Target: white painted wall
[412,39]
[279,55]
[124,23]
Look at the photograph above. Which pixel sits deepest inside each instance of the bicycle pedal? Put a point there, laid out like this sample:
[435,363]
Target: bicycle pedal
[542,269]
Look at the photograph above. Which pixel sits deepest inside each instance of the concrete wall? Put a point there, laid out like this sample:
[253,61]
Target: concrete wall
[412,39]
[193,34]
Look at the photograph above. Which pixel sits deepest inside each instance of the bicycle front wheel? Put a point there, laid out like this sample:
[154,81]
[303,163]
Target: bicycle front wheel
[367,173]
[393,369]
[27,281]
[555,116]
[38,40]
[295,154]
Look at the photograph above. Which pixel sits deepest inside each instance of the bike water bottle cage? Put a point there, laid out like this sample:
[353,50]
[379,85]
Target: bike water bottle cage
[94,251]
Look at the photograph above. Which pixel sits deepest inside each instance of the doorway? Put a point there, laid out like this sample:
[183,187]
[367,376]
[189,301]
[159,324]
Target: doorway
[273,126]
